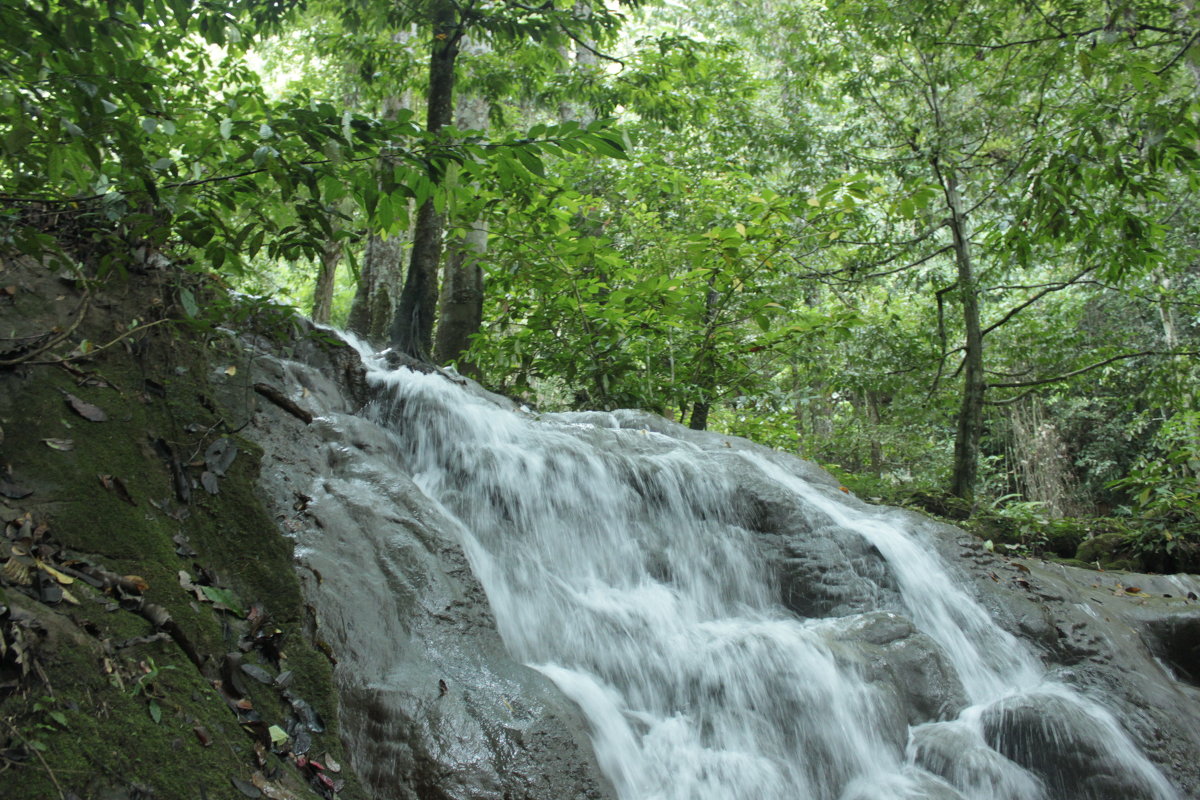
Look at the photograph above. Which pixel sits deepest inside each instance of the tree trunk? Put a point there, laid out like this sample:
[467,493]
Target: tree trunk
[579,56]
[970,412]
[375,299]
[460,305]
[331,254]
[382,269]
[705,372]
[412,327]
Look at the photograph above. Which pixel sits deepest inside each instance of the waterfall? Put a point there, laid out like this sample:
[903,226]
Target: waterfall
[625,559]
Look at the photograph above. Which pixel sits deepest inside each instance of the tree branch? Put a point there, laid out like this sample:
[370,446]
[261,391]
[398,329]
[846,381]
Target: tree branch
[1090,367]
[1022,306]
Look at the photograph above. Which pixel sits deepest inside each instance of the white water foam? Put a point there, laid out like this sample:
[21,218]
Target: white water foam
[616,565]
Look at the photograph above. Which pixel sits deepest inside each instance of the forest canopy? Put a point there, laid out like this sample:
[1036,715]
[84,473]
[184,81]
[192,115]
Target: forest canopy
[947,249]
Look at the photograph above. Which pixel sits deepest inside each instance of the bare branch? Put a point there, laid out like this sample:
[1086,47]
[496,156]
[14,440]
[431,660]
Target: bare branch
[1090,367]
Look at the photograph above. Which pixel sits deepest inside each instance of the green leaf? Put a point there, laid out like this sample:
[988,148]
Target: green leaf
[226,128]
[155,712]
[223,599]
[149,124]
[188,301]
[278,735]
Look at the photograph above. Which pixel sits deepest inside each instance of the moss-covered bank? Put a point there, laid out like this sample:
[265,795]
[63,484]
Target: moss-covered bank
[155,640]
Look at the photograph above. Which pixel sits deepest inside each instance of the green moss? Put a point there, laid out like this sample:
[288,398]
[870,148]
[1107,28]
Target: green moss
[1102,549]
[93,653]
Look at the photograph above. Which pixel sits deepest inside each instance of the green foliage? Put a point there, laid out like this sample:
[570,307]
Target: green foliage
[1164,490]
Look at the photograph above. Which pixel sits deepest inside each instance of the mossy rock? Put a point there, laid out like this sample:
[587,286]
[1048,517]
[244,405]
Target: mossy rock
[110,702]
[1107,549]
[943,504]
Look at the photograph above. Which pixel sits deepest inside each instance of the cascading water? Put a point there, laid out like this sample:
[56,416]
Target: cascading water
[626,565]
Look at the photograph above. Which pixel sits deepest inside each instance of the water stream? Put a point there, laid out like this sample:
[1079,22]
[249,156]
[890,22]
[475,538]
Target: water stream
[624,564]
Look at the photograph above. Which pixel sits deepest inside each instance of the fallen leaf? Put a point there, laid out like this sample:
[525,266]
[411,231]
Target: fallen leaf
[223,600]
[258,673]
[309,717]
[1019,566]
[117,487]
[331,765]
[247,789]
[1133,589]
[135,582]
[230,371]
[60,444]
[183,546]
[278,735]
[271,790]
[88,411]
[12,490]
[70,598]
[210,483]
[202,735]
[17,571]
[49,592]
[219,455]
[58,576]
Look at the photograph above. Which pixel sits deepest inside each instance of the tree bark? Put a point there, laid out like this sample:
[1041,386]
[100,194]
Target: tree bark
[375,299]
[579,56]
[460,305]
[412,327]
[461,302]
[382,269]
[705,372]
[331,255]
[970,413]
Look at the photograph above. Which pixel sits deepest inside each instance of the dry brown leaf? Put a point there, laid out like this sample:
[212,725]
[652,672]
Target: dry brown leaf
[88,411]
[135,582]
[117,487]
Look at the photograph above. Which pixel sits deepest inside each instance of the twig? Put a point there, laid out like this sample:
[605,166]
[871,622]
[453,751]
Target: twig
[83,308]
[278,398]
[38,753]
[105,346]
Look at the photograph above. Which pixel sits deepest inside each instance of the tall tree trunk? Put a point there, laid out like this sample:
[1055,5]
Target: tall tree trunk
[970,413]
[461,302]
[331,255]
[705,372]
[579,56]
[382,268]
[460,305]
[375,298]
[412,327]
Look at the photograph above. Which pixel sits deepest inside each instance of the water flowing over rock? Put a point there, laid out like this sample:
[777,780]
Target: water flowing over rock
[604,605]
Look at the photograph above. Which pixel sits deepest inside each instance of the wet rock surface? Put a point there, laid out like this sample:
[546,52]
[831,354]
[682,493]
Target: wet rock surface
[1119,637]
[433,707]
